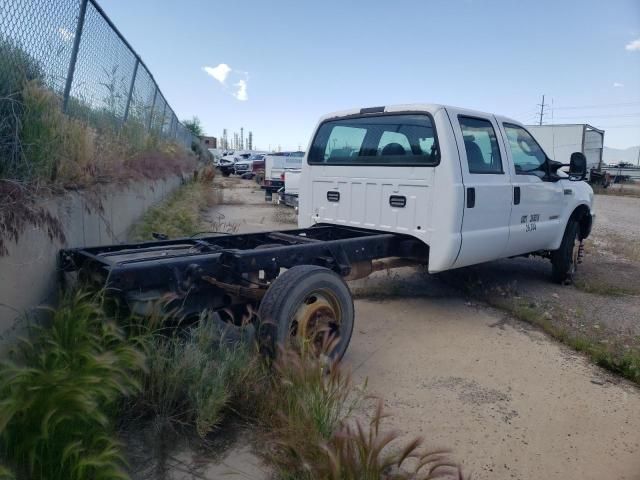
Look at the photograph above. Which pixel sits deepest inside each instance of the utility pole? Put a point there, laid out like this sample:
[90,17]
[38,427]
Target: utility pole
[541,110]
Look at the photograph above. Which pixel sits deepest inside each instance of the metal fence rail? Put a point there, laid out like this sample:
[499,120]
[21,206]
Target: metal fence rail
[73,48]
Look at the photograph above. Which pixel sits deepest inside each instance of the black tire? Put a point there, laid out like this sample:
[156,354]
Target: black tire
[225,173]
[306,291]
[563,260]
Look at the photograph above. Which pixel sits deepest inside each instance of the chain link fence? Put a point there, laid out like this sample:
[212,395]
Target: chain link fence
[72,48]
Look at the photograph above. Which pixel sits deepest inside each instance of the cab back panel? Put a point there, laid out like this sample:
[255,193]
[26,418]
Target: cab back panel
[366,203]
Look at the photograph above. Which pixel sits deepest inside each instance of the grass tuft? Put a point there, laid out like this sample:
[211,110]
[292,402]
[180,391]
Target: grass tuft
[58,393]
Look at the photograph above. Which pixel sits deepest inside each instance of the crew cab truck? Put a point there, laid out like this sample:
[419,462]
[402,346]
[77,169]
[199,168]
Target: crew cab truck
[381,188]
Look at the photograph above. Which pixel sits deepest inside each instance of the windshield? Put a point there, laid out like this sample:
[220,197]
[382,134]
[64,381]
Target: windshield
[256,157]
[407,139]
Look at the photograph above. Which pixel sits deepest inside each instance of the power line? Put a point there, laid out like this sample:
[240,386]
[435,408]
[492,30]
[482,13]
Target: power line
[605,115]
[601,105]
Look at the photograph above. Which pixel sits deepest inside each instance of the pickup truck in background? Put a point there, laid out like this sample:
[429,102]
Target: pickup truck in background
[383,187]
[275,164]
[244,167]
[290,191]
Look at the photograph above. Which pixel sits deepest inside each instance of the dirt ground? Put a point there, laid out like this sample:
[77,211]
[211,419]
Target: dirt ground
[509,400]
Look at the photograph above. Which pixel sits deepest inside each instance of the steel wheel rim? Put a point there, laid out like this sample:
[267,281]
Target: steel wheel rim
[317,320]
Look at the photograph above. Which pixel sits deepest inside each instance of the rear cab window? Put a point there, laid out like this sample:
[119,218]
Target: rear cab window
[384,140]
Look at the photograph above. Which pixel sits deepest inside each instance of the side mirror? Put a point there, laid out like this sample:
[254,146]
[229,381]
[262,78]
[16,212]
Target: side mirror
[577,166]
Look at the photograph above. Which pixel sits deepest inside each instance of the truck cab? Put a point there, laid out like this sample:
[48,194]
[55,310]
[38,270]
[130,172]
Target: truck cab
[472,186]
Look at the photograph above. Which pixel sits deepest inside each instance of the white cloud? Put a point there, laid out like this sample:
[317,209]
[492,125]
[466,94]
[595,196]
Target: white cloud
[226,75]
[633,45]
[220,72]
[241,94]
[66,34]
[618,85]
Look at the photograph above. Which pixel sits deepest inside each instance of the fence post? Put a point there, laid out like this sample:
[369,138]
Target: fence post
[164,113]
[74,54]
[153,104]
[133,81]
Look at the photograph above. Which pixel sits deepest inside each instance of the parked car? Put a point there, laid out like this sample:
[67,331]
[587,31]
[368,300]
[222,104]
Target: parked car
[244,167]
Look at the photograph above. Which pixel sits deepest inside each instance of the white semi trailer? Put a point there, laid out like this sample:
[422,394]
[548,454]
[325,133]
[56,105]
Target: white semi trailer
[560,141]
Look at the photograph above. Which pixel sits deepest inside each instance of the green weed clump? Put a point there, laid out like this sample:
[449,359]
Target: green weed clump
[180,214]
[59,393]
[193,377]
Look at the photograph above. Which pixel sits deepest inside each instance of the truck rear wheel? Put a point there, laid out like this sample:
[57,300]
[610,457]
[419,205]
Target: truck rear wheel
[307,303]
[564,261]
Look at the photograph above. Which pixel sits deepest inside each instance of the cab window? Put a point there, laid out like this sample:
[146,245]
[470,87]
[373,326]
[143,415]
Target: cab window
[385,140]
[481,145]
[528,157]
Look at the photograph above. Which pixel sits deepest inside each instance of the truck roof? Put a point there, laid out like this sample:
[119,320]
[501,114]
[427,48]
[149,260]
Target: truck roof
[409,107]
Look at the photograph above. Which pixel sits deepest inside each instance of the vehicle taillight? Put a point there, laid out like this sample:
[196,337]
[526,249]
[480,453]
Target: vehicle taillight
[282,176]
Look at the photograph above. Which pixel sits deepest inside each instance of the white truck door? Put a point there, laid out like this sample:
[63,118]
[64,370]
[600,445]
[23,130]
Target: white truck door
[536,214]
[487,187]
[373,170]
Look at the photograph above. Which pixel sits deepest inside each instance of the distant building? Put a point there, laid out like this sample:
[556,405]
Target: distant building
[209,142]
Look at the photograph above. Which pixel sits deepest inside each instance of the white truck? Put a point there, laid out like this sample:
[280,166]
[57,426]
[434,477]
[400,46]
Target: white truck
[381,188]
[472,186]
[275,164]
[290,191]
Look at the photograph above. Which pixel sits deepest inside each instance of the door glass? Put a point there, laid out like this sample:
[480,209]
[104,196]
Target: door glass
[527,155]
[481,145]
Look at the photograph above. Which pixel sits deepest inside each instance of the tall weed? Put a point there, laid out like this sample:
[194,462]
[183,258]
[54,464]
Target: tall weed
[193,377]
[58,394]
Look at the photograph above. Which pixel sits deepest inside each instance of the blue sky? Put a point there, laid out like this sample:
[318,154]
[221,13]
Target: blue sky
[293,61]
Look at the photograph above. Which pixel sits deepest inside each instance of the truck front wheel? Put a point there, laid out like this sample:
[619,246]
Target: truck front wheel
[564,260]
[309,304]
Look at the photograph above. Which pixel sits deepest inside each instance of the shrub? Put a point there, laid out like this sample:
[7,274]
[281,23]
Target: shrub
[17,68]
[193,377]
[55,146]
[179,215]
[57,397]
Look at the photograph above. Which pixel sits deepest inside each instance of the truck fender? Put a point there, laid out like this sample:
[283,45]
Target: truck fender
[582,214]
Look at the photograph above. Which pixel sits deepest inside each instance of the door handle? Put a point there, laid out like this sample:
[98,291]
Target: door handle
[471,197]
[398,201]
[516,195]
[333,196]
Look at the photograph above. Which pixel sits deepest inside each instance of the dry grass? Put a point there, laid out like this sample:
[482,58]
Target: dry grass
[307,416]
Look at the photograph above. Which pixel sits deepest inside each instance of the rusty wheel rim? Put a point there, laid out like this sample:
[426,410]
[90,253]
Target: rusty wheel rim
[317,321]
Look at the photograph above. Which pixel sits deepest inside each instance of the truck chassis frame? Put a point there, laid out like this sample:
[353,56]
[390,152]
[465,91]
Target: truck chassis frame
[229,274]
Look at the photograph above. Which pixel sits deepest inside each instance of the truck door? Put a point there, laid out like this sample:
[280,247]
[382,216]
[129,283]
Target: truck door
[487,187]
[537,202]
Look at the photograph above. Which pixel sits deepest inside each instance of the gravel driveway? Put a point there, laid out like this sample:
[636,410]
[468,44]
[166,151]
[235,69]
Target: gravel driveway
[510,401]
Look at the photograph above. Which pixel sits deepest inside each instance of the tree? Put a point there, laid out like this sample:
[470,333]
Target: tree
[194,126]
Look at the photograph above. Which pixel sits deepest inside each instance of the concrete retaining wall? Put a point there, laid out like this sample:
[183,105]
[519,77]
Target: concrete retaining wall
[28,276]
